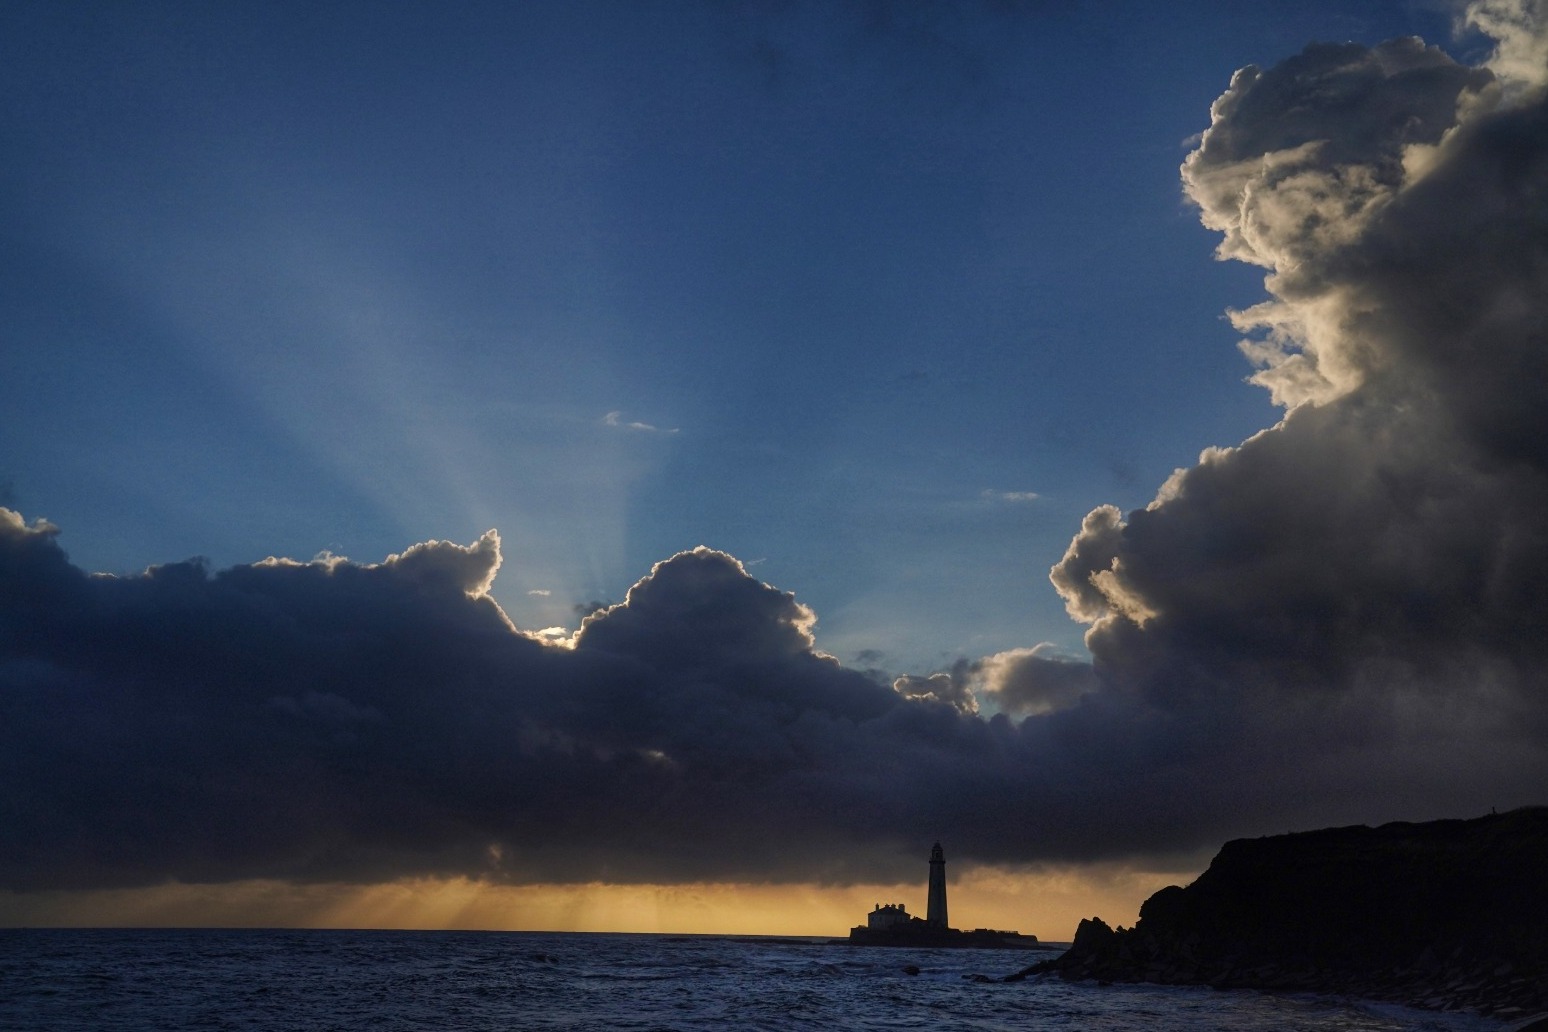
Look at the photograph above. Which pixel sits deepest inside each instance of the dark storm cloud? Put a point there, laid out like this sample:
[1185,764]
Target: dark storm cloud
[1339,620]
[331,720]
[335,721]
[1354,594]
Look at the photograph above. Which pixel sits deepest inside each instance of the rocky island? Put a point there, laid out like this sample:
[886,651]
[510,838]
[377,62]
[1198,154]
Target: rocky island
[891,924]
[1445,915]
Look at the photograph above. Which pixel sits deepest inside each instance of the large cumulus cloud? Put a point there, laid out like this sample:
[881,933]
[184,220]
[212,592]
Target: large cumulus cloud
[1339,619]
[332,720]
[338,721]
[1360,585]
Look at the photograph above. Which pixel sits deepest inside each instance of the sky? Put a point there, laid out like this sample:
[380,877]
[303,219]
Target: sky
[660,466]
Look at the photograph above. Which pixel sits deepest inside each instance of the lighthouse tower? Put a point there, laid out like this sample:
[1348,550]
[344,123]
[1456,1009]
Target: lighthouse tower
[935,909]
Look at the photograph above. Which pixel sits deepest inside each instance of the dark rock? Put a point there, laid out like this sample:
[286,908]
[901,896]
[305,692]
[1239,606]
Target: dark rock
[1092,934]
[918,934]
[1432,914]
[911,969]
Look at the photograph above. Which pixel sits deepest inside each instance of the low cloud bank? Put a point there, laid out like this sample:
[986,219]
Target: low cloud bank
[333,721]
[1338,620]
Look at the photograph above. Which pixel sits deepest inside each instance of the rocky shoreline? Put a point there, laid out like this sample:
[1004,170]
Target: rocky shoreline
[1445,915]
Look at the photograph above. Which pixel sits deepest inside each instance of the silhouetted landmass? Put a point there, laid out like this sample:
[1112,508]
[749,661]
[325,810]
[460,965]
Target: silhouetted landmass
[923,934]
[1445,915]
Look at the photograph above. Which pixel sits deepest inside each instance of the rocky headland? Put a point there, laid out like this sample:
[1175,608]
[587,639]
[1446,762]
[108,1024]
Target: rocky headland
[1445,915]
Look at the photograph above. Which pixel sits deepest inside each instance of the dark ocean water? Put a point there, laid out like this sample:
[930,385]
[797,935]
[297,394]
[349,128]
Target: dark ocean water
[382,981]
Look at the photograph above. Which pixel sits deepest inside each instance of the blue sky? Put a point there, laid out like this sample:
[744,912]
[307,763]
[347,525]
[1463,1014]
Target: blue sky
[884,297]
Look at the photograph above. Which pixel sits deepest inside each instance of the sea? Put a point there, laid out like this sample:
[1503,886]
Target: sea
[381,981]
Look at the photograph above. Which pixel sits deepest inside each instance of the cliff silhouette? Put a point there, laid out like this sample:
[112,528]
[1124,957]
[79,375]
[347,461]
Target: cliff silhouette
[1446,914]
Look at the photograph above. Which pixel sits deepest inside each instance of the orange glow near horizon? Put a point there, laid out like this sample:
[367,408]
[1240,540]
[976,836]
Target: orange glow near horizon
[1046,902]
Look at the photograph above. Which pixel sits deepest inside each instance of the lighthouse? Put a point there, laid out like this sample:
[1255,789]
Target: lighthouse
[892,925]
[935,908]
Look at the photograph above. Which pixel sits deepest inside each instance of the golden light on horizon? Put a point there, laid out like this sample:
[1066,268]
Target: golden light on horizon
[1047,902]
